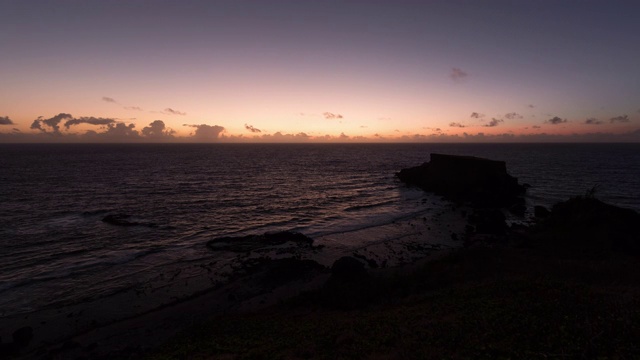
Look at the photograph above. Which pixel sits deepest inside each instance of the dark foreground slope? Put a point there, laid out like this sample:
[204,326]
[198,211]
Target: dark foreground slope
[566,288]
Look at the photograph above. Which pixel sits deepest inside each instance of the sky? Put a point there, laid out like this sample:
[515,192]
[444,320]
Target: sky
[319,71]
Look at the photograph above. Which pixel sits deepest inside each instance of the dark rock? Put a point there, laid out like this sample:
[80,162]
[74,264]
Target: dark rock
[589,226]
[22,337]
[349,286]
[252,242]
[480,181]
[519,208]
[372,263]
[489,221]
[540,212]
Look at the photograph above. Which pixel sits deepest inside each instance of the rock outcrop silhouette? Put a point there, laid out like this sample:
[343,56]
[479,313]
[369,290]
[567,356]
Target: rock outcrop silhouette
[482,182]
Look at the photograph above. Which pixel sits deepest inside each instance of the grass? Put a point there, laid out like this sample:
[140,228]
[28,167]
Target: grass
[482,303]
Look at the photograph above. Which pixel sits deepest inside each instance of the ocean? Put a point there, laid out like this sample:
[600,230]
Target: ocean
[57,251]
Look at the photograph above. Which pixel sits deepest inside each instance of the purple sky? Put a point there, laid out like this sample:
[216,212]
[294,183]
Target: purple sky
[319,70]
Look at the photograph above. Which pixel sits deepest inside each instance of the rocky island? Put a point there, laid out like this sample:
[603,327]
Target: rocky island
[482,182]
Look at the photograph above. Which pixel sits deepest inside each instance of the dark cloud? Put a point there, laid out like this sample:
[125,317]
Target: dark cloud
[4,120]
[170,111]
[476,115]
[555,121]
[121,131]
[494,122]
[456,124]
[114,132]
[52,123]
[109,99]
[536,126]
[531,106]
[252,129]
[593,121]
[280,137]
[206,132]
[621,118]
[513,115]
[88,120]
[458,74]
[328,115]
[157,131]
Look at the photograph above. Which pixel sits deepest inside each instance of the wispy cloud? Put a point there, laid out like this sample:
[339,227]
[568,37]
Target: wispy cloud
[620,119]
[593,121]
[513,115]
[136,108]
[252,129]
[328,115]
[4,120]
[109,99]
[555,120]
[170,111]
[531,106]
[457,124]
[458,74]
[88,120]
[493,123]
[476,115]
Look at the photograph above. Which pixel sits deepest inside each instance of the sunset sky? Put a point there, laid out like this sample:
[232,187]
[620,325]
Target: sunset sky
[300,70]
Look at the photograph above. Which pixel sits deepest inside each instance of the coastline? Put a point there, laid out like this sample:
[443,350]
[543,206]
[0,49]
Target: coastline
[97,328]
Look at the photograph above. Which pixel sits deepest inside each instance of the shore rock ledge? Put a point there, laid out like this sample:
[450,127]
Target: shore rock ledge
[482,182]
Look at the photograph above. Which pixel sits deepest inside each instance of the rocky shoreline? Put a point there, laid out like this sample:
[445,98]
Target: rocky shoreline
[283,265]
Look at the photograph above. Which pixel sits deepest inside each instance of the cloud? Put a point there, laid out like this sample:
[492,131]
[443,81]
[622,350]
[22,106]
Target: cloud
[157,130]
[206,132]
[476,115]
[280,137]
[114,132]
[536,126]
[494,122]
[328,115]
[136,108]
[531,106]
[458,74]
[170,111]
[51,123]
[88,120]
[513,115]
[593,121]
[4,120]
[555,121]
[252,129]
[109,99]
[121,130]
[621,119]
[456,124]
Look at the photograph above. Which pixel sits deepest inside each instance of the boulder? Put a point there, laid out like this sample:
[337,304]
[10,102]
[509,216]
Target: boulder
[350,285]
[482,182]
